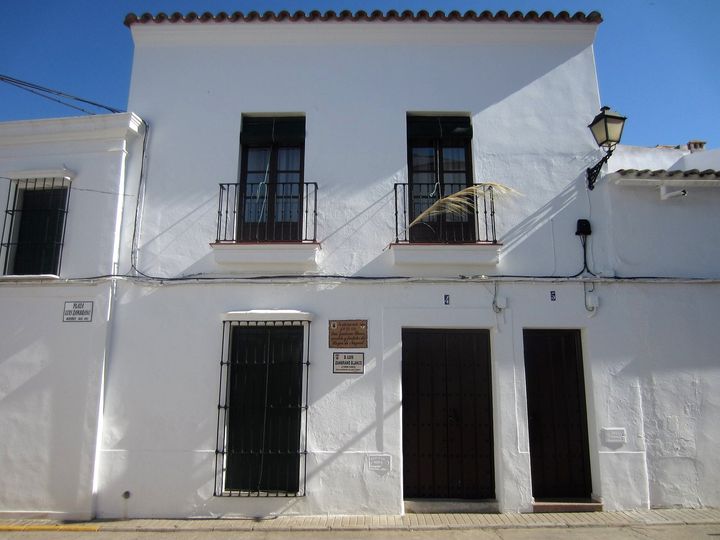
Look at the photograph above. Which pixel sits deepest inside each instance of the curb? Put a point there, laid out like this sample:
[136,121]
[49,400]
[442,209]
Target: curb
[439,527]
[44,528]
[438,522]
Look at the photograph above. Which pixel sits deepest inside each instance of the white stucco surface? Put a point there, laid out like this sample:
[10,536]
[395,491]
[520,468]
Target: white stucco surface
[51,372]
[638,377]
[50,386]
[704,160]
[524,86]
[95,149]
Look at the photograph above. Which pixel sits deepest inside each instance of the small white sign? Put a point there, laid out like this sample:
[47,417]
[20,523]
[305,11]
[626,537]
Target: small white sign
[78,312]
[613,435]
[381,463]
[348,362]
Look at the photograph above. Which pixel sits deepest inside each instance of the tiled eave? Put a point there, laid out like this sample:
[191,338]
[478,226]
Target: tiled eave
[363,16]
[647,177]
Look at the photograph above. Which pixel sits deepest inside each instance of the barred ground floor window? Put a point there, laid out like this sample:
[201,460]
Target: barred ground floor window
[33,228]
[261,441]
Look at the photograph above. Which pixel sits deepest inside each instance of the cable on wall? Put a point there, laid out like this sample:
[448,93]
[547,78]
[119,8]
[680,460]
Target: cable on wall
[583,231]
[140,202]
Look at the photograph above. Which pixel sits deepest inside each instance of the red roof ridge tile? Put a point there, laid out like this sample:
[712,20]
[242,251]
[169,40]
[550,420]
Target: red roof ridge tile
[392,15]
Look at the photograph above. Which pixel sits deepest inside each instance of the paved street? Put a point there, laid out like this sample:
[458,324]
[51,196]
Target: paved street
[657,532]
[670,524]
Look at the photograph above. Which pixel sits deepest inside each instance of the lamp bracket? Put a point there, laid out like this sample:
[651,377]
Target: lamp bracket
[594,171]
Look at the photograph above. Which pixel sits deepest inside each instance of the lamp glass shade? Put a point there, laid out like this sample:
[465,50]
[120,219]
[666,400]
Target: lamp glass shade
[614,129]
[607,127]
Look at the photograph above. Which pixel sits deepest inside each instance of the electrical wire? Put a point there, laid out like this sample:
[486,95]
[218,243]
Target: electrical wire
[585,268]
[61,102]
[203,278]
[47,93]
[142,182]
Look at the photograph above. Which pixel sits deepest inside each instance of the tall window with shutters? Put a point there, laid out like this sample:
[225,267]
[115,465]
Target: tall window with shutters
[439,164]
[261,440]
[271,179]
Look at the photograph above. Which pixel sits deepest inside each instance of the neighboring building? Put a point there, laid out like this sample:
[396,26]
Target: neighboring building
[271,336]
[71,187]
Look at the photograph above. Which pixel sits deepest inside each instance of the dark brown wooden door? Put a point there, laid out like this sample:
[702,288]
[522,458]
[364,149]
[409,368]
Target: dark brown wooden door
[447,414]
[559,455]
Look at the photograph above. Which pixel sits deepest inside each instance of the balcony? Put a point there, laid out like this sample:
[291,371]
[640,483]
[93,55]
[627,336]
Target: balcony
[477,225]
[267,213]
[464,236]
[267,225]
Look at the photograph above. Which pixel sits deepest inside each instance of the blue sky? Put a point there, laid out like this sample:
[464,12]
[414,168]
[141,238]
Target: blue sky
[658,61]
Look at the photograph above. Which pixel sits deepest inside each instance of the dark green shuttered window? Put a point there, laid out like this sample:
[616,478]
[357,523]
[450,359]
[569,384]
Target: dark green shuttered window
[34,226]
[262,406]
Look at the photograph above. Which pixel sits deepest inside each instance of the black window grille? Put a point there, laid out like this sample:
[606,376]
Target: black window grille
[262,409]
[235,198]
[34,226]
[482,217]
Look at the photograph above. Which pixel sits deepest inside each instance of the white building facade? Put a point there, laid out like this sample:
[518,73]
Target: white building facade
[269,334]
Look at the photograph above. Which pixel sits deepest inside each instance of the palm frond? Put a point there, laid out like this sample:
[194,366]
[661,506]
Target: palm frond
[463,202]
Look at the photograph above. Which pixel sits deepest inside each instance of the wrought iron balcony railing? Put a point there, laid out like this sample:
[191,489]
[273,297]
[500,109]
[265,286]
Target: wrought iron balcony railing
[263,212]
[473,223]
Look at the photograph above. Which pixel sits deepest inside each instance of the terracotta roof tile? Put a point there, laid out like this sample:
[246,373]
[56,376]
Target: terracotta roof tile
[363,16]
[694,174]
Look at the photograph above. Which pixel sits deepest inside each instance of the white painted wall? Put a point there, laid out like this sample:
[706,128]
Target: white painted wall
[51,372]
[647,236]
[703,160]
[95,149]
[645,372]
[50,387]
[529,88]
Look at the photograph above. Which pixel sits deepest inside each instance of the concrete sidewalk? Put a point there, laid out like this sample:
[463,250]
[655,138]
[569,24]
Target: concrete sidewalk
[414,522]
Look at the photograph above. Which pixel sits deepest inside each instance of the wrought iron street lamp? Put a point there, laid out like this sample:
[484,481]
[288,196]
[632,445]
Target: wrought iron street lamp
[607,128]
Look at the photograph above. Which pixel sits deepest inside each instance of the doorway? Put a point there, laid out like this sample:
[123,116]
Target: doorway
[557,416]
[447,414]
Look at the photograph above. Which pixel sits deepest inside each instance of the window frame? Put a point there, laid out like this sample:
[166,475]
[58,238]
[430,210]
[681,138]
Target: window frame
[250,319]
[267,231]
[16,220]
[435,138]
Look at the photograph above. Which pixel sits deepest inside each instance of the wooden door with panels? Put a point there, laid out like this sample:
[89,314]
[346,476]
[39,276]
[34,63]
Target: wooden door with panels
[557,417]
[447,414]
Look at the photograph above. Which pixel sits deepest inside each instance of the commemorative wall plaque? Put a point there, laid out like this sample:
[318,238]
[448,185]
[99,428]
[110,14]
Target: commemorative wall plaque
[348,334]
